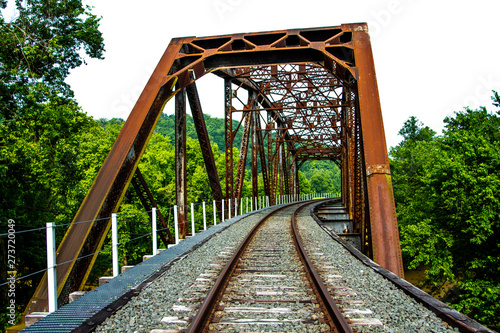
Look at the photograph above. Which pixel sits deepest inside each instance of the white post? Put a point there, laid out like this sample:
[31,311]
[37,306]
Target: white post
[204,217]
[235,207]
[154,232]
[247,204]
[267,201]
[51,267]
[229,211]
[241,206]
[176,225]
[114,241]
[222,210]
[215,214]
[193,232]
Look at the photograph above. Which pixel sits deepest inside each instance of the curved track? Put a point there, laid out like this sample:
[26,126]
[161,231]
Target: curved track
[270,280]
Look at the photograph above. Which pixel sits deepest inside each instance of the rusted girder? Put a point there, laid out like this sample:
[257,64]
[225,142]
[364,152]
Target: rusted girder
[148,202]
[262,154]
[383,223]
[206,148]
[229,138]
[83,240]
[302,77]
[180,162]
[240,172]
[255,183]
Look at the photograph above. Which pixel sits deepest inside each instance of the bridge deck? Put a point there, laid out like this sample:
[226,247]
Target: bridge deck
[72,315]
[84,309]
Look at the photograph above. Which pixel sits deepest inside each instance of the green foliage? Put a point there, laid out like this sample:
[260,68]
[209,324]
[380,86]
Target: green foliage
[305,185]
[448,208]
[41,45]
[323,176]
[44,135]
[215,128]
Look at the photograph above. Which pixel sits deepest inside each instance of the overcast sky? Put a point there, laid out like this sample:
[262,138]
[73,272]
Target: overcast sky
[431,57]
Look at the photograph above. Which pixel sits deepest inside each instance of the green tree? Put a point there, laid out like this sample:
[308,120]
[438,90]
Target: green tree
[41,126]
[448,208]
[40,46]
[305,186]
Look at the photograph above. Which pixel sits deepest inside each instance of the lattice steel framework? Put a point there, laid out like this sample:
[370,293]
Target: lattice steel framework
[312,94]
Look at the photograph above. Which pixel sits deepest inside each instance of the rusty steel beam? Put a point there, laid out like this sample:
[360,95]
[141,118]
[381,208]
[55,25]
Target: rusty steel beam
[109,186]
[279,156]
[286,179]
[255,183]
[270,160]
[180,162]
[229,139]
[240,172]
[383,223]
[148,202]
[262,154]
[206,148]
[298,76]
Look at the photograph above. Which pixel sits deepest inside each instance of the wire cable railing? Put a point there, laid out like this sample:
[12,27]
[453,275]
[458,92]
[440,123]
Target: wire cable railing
[197,213]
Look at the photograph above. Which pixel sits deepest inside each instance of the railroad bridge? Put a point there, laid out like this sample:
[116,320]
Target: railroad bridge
[300,94]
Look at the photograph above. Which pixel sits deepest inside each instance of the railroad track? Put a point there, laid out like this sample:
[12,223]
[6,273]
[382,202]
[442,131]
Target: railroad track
[270,281]
[264,287]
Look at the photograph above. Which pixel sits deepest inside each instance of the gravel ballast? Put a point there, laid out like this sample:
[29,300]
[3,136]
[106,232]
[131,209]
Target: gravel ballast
[396,310]
[155,303]
[165,303]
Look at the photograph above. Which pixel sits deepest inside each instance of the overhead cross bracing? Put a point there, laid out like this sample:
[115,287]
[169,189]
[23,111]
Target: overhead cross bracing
[307,102]
[311,94]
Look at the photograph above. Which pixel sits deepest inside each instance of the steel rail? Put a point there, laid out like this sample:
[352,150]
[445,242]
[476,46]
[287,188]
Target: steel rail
[202,319]
[334,316]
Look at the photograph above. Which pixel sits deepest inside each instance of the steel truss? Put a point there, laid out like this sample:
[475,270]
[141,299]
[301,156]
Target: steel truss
[312,95]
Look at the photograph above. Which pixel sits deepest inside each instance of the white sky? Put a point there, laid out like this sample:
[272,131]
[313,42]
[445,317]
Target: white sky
[431,57]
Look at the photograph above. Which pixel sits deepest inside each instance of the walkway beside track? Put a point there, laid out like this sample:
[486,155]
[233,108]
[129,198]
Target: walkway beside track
[72,315]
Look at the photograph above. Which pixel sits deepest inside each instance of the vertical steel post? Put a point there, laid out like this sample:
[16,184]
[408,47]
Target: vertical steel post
[383,223]
[193,231]
[223,201]
[51,266]
[229,138]
[114,241]
[255,189]
[180,160]
[215,214]
[279,157]
[154,235]
[176,224]
[204,217]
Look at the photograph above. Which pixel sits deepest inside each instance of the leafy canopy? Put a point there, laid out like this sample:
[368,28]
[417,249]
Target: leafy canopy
[446,191]
[42,44]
